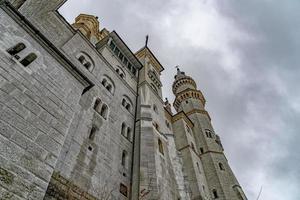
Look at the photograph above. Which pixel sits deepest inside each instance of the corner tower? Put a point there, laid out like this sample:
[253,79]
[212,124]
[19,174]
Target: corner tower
[220,180]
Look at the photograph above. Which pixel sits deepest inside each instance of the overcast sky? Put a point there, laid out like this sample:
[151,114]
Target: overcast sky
[244,56]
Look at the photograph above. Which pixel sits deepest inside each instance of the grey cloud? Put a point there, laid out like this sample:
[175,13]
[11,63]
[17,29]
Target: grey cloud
[255,106]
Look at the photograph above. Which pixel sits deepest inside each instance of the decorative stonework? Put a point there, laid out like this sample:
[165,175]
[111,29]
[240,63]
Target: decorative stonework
[182,81]
[186,94]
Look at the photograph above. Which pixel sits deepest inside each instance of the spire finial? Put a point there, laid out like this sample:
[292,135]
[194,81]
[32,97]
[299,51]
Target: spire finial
[147,38]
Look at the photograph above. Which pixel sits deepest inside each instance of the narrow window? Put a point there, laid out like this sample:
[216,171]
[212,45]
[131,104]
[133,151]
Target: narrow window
[155,108]
[109,88]
[123,190]
[123,129]
[117,51]
[221,166]
[215,194]
[81,59]
[160,147]
[127,107]
[104,81]
[128,134]
[124,158]
[28,59]
[112,45]
[201,150]
[122,75]
[104,111]
[97,105]
[123,102]
[92,133]
[88,66]
[198,168]
[16,49]
[117,70]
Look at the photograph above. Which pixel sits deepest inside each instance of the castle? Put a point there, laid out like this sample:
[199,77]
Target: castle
[82,116]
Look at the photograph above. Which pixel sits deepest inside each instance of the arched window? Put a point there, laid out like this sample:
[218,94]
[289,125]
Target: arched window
[127,103]
[88,66]
[28,59]
[124,158]
[97,105]
[92,133]
[215,194]
[108,84]
[123,102]
[208,133]
[128,133]
[128,107]
[198,168]
[86,61]
[81,59]
[16,49]
[160,146]
[104,81]
[123,129]
[201,150]
[221,166]
[104,111]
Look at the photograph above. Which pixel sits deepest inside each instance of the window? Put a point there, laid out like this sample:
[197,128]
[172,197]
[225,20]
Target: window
[127,103]
[104,111]
[86,61]
[128,134]
[92,133]
[81,59]
[108,84]
[112,45]
[208,133]
[123,129]
[160,147]
[16,49]
[168,124]
[28,59]
[215,194]
[201,150]
[124,158]
[97,105]
[221,166]
[123,190]
[198,168]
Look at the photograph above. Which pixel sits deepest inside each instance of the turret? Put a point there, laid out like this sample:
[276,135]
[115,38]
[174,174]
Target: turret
[187,95]
[89,26]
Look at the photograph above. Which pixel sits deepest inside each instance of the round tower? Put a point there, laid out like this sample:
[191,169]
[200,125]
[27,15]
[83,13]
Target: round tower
[187,95]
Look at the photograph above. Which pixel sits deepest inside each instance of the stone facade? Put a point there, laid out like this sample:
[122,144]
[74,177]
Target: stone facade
[82,116]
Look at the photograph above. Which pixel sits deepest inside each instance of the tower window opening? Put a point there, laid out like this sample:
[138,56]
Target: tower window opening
[97,105]
[81,59]
[215,194]
[128,134]
[92,133]
[16,49]
[208,133]
[28,59]
[123,189]
[221,166]
[201,150]
[104,111]
[160,146]
[123,129]
[198,168]
[124,158]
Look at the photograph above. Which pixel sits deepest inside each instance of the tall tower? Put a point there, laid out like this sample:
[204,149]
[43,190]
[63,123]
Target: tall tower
[220,179]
